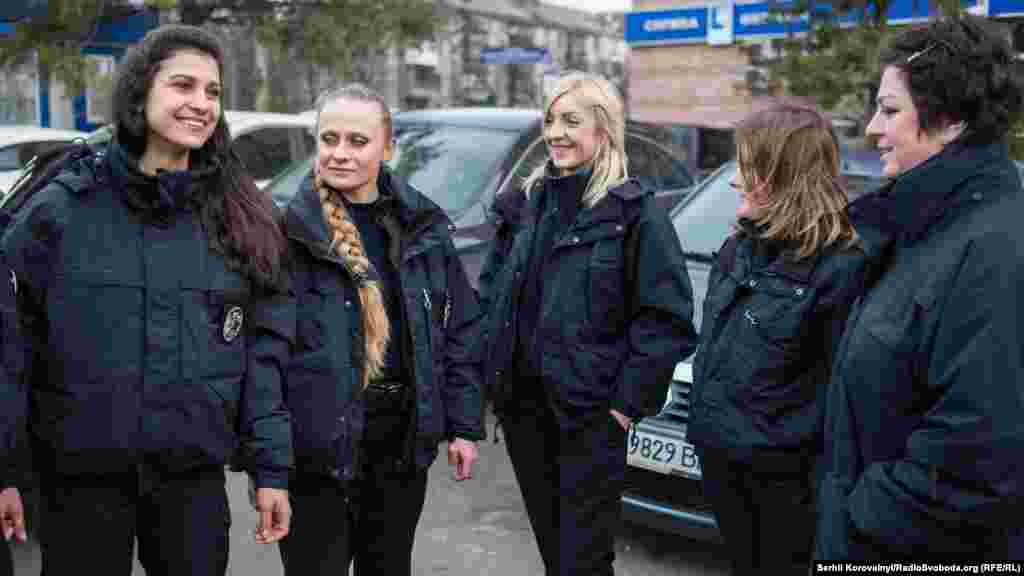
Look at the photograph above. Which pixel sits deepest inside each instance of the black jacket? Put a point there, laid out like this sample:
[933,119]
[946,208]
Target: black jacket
[611,326]
[924,425]
[13,393]
[770,328]
[142,345]
[324,379]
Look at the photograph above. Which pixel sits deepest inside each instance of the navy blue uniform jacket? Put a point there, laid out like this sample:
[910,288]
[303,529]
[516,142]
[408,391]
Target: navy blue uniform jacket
[924,425]
[141,344]
[440,347]
[606,337]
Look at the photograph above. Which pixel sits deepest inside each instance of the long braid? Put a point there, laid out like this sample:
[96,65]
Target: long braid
[345,241]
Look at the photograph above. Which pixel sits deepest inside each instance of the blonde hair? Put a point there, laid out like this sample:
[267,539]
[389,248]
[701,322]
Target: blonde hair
[609,163]
[791,152]
[347,243]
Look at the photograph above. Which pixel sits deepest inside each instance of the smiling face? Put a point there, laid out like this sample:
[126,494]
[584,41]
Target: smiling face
[571,133]
[895,125]
[352,142]
[183,105]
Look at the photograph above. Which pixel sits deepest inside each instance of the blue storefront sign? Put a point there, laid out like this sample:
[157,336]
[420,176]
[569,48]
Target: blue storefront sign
[765,19]
[514,55]
[1005,8]
[667,27]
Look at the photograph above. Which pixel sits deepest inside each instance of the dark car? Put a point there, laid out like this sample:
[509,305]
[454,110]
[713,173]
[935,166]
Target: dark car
[663,477]
[463,158]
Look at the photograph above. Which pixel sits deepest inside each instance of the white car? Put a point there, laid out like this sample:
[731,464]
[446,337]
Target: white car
[21,143]
[267,142]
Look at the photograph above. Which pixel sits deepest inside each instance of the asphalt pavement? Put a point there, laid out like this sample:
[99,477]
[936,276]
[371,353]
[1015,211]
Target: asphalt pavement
[471,528]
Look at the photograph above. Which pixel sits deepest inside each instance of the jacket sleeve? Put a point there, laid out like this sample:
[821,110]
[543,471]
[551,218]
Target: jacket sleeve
[28,246]
[660,327]
[462,318]
[831,312]
[265,422]
[14,461]
[493,263]
[961,464]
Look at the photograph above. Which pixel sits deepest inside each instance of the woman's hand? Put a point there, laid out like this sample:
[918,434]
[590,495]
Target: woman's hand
[462,454]
[622,419]
[275,515]
[12,515]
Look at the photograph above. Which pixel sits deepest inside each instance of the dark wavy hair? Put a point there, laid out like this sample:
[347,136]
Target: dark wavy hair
[959,69]
[239,219]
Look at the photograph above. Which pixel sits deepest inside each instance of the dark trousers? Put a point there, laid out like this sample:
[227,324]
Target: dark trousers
[371,522]
[764,510]
[91,524]
[571,482]
[6,562]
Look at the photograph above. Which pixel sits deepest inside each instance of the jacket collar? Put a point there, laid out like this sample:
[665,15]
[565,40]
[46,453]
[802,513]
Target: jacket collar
[414,213]
[906,208]
[771,256]
[162,195]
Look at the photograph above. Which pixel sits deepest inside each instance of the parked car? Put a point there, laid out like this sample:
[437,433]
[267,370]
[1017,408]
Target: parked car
[663,477]
[267,142]
[21,143]
[463,158]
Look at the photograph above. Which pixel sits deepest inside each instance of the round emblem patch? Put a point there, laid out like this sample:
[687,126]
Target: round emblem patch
[233,321]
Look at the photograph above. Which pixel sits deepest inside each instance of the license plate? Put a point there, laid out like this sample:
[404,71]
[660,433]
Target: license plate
[661,454]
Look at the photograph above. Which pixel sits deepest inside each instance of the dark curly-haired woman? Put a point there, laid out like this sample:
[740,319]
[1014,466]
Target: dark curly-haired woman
[157,323]
[923,436]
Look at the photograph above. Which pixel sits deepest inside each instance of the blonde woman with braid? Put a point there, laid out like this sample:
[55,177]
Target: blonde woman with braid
[589,309]
[384,368]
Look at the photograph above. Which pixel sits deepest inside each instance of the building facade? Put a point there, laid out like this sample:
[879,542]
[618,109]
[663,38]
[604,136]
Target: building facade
[703,61]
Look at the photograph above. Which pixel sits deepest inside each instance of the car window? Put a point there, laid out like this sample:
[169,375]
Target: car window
[654,166]
[268,151]
[452,165]
[671,173]
[286,184]
[535,155]
[716,147]
[9,158]
[704,220]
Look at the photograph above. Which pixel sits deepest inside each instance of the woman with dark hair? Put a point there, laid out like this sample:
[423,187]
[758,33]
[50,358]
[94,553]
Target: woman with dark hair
[386,365]
[157,322]
[922,433]
[777,301]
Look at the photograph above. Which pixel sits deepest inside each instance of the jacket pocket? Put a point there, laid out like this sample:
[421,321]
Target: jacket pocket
[832,540]
[605,286]
[215,322]
[583,373]
[775,311]
[13,343]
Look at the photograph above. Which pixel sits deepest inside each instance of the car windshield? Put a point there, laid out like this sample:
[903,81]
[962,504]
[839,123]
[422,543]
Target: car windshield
[450,164]
[705,218]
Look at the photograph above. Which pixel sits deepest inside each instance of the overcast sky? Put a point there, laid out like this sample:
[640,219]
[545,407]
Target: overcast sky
[593,5]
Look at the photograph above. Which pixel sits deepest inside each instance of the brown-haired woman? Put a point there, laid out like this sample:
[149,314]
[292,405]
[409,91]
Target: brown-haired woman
[150,284]
[777,301]
[385,367]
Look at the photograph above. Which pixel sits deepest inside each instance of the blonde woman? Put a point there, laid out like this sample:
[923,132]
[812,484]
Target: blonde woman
[384,368]
[589,309]
[777,301]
